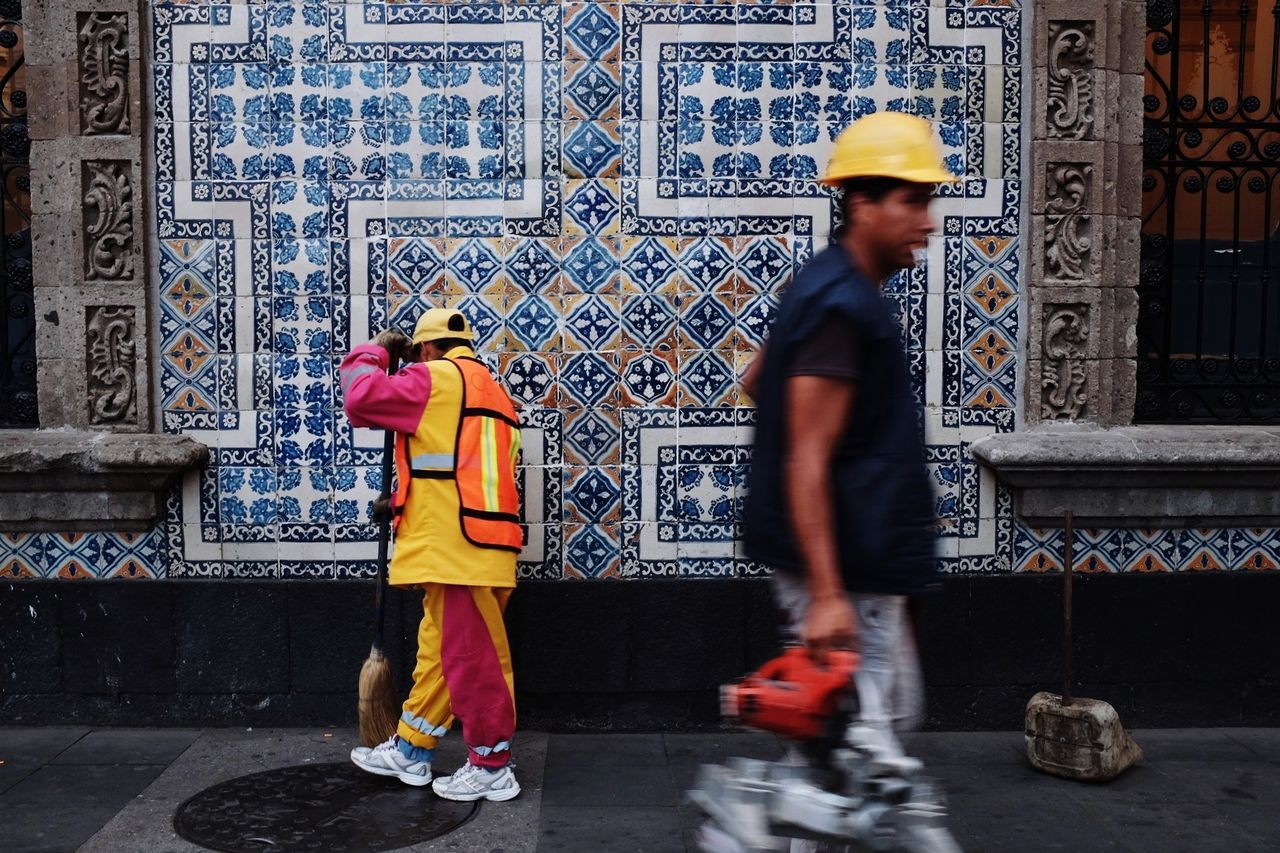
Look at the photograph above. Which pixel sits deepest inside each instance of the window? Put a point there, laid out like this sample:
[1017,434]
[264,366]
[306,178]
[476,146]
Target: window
[1209,315]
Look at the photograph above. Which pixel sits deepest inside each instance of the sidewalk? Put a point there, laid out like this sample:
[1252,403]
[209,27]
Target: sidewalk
[116,790]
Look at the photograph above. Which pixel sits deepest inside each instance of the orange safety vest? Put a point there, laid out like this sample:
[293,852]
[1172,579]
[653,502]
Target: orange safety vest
[482,465]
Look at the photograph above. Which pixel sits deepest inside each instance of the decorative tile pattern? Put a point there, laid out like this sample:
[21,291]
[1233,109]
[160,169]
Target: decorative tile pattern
[616,194]
[1148,550]
[78,556]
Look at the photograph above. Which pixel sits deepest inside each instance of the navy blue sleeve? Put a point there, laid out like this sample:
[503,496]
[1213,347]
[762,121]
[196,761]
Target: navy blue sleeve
[832,351]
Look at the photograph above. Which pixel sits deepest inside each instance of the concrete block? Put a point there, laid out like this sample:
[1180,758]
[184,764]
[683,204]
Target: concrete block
[1133,32]
[1083,740]
[56,387]
[55,249]
[1122,306]
[1128,191]
[1125,263]
[55,182]
[52,115]
[49,36]
[1106,104]
[1130,110]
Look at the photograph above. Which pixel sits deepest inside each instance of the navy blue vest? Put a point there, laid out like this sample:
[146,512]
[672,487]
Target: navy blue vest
[884,503]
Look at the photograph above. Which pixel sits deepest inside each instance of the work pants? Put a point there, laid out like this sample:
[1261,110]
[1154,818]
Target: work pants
[463,670]
[886,646]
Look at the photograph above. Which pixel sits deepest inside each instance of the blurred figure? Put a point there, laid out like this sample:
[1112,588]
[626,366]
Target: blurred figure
[840,504]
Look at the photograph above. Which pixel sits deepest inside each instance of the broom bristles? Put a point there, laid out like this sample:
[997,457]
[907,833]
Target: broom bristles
[379,706]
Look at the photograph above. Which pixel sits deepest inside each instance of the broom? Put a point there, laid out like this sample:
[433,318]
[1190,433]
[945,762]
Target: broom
[379,700]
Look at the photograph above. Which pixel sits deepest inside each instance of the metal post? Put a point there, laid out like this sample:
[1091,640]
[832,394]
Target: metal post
[1068,541]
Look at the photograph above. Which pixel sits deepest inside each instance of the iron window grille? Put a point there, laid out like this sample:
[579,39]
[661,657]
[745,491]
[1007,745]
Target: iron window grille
[1209,309]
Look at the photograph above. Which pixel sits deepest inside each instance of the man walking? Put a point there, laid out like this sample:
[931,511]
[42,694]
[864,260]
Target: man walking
[840,504]
[456,512]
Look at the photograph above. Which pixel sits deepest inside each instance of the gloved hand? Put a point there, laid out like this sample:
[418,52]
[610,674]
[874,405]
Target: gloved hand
[395,342]
[382,509]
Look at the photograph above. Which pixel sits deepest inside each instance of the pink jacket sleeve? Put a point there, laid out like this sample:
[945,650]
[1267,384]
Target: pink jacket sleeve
[374,399]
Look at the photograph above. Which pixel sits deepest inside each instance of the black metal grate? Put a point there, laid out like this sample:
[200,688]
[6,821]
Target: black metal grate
[1209,317]
[18,327]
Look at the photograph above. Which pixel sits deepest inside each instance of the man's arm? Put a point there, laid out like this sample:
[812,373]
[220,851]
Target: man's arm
[818,408]
[371,398]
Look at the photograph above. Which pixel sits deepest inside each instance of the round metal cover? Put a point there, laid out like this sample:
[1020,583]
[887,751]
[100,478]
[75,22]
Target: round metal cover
[319,808]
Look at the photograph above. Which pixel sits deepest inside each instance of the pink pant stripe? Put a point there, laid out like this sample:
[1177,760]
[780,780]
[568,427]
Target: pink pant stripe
[468,657]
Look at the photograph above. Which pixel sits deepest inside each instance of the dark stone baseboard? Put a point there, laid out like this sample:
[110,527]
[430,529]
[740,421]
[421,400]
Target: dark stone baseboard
[1166,650]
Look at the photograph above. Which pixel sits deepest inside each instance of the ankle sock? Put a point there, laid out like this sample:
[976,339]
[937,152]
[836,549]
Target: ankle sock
[415,753]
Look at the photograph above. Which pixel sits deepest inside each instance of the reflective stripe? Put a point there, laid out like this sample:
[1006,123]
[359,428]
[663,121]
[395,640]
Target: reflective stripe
[489,462]
[433,460]
[355,372]
[515,448]
[421,725]
[502,746]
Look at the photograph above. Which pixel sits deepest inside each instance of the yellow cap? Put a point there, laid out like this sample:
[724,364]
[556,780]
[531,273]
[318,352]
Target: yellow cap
[888,145]
[439,323]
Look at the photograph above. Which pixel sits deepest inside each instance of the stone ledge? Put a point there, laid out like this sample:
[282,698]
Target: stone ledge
[1140,476]
[75,480]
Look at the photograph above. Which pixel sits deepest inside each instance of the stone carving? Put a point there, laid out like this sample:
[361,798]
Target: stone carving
[108,219]
[1063,390]
[111,361]
[1070,97]
[1067,240]
[104,72]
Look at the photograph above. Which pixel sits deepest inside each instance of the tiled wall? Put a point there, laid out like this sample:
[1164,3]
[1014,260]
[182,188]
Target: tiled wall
[615,193]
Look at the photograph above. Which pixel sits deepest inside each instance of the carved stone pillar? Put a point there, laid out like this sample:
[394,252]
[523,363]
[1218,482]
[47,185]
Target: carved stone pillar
[1086,125]
[83,58]
[95,464]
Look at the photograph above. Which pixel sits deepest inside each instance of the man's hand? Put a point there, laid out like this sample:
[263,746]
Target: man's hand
[395,342]
[829,624]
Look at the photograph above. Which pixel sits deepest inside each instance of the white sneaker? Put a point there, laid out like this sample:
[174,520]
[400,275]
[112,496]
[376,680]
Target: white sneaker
[472,782]
[386,759]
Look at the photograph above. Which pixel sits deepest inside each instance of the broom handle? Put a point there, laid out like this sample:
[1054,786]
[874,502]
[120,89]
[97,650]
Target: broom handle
[1068,557]
[384,528]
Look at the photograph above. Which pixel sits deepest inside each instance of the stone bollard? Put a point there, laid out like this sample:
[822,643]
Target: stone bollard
[1082,740]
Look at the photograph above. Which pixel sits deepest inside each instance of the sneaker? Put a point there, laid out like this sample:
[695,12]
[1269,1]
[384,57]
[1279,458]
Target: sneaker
[472,782]
[386,759]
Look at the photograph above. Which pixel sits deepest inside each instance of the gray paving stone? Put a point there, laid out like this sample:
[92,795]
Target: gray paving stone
[129,746]
[618,830]
[603,785]
[716,747]
[971,748]
[58,808]
[1177,828]
[24,750]
[634,750]
[1262,742]
[1208,745]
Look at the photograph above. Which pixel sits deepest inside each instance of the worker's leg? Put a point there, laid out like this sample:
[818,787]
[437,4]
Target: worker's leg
[426,716]
[888,658]
[476,663]
[885,645]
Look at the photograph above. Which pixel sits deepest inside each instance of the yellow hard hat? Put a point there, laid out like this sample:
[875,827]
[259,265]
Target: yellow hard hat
[439,323]
[888,145]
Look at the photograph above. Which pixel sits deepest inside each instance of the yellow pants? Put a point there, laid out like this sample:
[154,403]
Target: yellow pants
[463,670]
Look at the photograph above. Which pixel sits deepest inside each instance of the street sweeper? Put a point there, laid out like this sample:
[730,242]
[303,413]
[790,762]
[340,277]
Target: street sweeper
[456,514]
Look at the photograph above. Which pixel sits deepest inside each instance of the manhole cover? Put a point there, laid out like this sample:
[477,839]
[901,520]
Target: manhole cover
[320,808]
